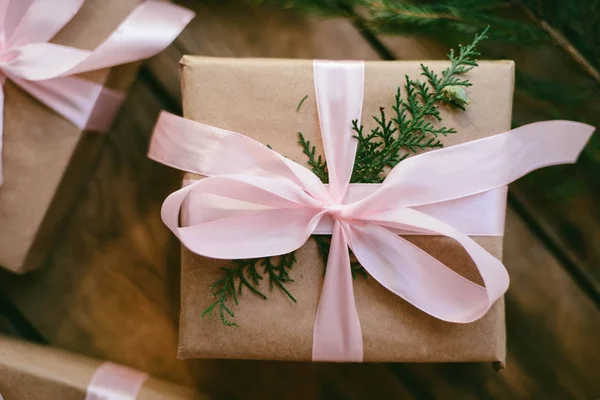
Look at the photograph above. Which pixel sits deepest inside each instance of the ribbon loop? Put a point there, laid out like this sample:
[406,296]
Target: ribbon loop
[339,92]
[493,162]
[33,24]
[148,29]
[280,219]
[269,205]
[202,149]
[414,275]
[44,69]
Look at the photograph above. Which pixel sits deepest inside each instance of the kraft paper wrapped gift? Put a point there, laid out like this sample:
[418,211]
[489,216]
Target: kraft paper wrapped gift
[46,158]
[259,99]
[29,371]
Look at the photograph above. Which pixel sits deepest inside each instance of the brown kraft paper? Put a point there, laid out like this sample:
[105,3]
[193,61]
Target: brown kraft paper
[259,99]
[46,159]
[29,371]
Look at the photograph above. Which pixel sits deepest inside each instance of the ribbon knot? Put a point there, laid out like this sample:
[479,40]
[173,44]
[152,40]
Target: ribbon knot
[7,55]
[336,211]
[257,203]
[45,70]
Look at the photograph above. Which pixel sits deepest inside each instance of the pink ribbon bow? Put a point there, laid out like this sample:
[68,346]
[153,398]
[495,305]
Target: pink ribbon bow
[43,69]
[257,203]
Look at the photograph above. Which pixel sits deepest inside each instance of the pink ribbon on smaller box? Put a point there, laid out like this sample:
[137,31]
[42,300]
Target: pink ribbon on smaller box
[115,382]
[257,203]
[44,69]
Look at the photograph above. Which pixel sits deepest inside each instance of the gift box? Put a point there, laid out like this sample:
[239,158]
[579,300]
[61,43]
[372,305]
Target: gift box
[46,158]
[260,98]
[30,371]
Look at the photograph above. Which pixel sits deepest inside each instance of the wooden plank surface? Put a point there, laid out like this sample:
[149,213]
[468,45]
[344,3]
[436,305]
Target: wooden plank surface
[111,289]
[552,330]
[563,202]
[569,222]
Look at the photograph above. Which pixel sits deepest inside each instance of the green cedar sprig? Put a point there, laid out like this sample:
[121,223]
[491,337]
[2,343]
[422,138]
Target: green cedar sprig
[413,127]
[249,273]
[316,162]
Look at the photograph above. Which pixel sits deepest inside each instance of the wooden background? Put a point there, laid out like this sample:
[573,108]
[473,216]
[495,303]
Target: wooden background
[111,288]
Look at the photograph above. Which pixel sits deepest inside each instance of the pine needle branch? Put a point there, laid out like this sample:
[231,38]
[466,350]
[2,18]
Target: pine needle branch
[317,164]
[563,42]
[246,274]
[323,244]
[411,129]
[277,268]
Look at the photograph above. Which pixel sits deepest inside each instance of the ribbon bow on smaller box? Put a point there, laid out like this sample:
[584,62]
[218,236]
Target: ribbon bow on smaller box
[257,203]
[43,69]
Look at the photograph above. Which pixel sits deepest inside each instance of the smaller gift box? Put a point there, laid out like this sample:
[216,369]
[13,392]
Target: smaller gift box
[57,89]
[29,371]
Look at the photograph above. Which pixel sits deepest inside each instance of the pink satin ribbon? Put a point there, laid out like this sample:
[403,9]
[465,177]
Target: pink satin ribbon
[257,203]
[481,214]
[115,382]
[44,69]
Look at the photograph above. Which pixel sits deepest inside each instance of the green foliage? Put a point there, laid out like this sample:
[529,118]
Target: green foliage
[248,274]
[465,17]
[316,163]
[324,243]
[301,102]
[412,128]
[432,18]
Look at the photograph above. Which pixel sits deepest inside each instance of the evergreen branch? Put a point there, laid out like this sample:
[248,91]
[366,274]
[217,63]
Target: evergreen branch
[246,273]
[438,18]
[409,13]
[277,269]
[316,163]
[323,244]
[561,41]
[410,130]
[301,102]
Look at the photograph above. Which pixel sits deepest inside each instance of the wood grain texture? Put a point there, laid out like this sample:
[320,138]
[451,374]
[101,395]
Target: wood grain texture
[562,202]
[564,206]
[237,29]
[552,330]
[111,289]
